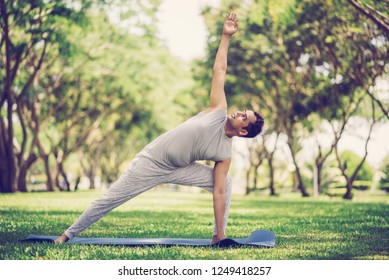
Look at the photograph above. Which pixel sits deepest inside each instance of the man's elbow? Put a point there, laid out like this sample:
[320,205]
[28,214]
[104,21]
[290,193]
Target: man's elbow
[219,192]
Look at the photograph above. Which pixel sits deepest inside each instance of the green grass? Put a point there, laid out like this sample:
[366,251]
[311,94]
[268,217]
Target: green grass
[304,228]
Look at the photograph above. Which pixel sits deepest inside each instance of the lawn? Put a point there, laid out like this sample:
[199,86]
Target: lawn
[305,228]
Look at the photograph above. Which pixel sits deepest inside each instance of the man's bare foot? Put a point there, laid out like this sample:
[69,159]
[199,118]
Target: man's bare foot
[61,239]
[216,239]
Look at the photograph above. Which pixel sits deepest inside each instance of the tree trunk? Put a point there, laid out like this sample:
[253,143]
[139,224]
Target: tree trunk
[78,180]
[255,175]
[91,174]
[349,187]
[4,185]
[269,156]
[45,158]
[319,166]
[94,167]
[300,182]
[49,178]
[56,181]
[24,167]
[92,181]
[64,176]
[22,182]
[9,180]
[248,181]
[271,184]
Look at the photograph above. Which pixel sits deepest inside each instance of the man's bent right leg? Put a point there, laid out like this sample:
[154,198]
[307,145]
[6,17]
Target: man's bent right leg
[200,175]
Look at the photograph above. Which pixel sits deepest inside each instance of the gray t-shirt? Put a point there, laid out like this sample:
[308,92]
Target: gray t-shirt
[202,137]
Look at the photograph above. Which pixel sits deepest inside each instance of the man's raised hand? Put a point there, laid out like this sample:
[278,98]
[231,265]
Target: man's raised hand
[230,24]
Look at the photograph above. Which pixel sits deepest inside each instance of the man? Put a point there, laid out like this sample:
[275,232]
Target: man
[171,158]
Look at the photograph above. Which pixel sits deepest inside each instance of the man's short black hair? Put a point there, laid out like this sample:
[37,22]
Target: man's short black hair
[253,129]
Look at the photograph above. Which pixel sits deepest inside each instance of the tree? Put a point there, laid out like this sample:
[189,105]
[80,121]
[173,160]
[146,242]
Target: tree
[30,29]
[269,155]
[257,63]
[373,13]
[256,157]
[76,83]
[351,175]
[298,59]
[123,82]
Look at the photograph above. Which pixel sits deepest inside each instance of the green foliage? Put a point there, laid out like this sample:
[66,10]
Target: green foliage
[384,181]
[331,177]
[291,59]
[305,229]
[351,161]
[100,92]
[31,31]
[102,87]
[299,62]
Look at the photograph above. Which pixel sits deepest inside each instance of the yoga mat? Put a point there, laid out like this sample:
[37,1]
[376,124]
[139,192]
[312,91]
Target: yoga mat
[259,238]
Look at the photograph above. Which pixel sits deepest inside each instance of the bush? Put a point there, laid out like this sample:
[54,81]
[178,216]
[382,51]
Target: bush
[384,187]
[351,161]
[340,188]
[361,185]
[384,182]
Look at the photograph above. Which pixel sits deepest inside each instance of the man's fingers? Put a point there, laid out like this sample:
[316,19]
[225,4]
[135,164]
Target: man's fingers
[232,16]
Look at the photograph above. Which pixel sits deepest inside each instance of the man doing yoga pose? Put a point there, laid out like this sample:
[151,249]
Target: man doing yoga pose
[171,158]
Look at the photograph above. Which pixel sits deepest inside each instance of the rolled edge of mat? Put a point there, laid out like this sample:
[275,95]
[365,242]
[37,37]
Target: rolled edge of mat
[32,238]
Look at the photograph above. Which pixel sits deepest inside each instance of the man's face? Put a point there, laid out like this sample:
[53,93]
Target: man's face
[241,119]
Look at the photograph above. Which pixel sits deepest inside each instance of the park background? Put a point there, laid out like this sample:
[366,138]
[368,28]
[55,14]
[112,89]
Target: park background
[85,85]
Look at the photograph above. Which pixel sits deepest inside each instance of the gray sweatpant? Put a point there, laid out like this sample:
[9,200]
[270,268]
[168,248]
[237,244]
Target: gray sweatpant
[141,175]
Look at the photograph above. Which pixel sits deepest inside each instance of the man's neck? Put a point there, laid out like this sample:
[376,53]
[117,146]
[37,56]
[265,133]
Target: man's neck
[230,132]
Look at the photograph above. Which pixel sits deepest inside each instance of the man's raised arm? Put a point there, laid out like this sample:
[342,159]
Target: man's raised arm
[218,96]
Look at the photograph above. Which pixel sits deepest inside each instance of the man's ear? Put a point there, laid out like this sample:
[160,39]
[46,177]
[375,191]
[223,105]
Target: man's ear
[243,132]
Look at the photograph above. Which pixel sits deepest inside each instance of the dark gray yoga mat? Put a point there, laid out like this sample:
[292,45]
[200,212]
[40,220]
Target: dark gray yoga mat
[259,238]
